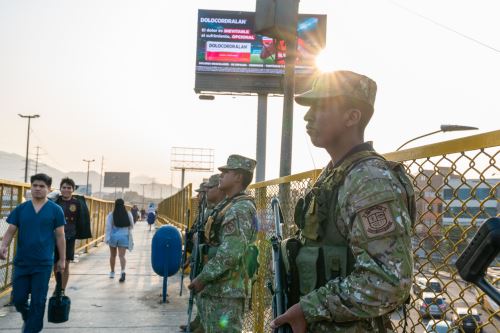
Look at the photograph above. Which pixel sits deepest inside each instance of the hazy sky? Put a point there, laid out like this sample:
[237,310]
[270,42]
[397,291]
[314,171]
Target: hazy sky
[115,78]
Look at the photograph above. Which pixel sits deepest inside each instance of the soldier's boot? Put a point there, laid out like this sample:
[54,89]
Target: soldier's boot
[192,326]
[198,329]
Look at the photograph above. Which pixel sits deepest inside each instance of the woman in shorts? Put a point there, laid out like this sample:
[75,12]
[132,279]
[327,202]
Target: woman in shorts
[119,225]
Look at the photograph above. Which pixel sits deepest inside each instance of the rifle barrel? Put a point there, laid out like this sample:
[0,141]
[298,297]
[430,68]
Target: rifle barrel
[195,263]
[276,240]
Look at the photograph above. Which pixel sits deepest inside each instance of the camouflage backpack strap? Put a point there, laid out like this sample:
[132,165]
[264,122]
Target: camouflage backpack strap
[215,219]
[322,197]
[351,161]
[210,224]
[397,168]
[341,172]
[404,179]
[236,199]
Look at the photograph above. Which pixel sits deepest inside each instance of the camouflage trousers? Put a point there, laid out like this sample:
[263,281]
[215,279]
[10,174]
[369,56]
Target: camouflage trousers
[363,326]
[221,314]
[196,321]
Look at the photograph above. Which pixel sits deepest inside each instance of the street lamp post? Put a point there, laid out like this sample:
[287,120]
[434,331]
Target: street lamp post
[143,195]
[88,171]
[27,143]
[444,128]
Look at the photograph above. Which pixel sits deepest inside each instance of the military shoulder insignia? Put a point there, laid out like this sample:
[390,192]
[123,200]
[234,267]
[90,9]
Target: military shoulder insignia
[377,220]
[72,208]
[229,227]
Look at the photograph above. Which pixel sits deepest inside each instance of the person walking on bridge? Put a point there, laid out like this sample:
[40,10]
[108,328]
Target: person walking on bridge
[151,215]
[40,225]
[135,213]
[119,225]
[77,224]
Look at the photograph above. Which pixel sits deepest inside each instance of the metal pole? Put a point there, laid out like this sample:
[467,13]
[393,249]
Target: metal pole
[143,195]
[27,152]
[183,172]
[87,186]
[260,172]
[88,171]
[153,188]
[100,181]
[287,122]
[27,143]
[165,276]
[171,182]
[36,160]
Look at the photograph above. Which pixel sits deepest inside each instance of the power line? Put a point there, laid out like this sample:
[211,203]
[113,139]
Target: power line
[57,164]
[444,26]
[37,158]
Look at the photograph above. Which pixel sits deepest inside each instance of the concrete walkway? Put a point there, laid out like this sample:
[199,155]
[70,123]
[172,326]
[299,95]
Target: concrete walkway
[101,304]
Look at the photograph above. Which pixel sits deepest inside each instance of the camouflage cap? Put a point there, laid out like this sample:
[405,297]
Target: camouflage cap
[213,181]
[340,83]
[202,187]
[238,162]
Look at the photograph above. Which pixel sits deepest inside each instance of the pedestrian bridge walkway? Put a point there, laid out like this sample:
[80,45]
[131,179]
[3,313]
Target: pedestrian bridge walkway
[101,304]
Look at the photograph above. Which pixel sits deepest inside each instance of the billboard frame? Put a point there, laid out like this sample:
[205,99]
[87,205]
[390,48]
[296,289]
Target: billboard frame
[238,83]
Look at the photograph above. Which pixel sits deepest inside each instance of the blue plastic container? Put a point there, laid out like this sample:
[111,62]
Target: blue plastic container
[166,251]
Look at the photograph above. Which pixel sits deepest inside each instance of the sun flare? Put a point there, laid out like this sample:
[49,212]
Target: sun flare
[324,61]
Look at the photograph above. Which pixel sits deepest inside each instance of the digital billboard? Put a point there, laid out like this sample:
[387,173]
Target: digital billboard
[228,49]
[117,179]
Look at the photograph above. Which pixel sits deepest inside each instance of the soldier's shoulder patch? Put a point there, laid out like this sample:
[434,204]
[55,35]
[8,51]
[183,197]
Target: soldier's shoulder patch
[229,227]
[377,220]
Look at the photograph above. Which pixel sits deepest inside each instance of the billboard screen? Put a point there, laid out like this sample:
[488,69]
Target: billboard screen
[228,46]
[117,179]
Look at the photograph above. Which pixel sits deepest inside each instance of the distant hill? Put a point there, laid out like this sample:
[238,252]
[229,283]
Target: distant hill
[12,168]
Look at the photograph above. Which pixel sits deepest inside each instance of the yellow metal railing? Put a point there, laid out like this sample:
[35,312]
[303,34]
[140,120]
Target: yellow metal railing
[174,209]
[456,183]
[13,193]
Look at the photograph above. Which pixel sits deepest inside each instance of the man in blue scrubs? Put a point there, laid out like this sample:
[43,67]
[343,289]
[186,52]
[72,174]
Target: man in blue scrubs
[40,225]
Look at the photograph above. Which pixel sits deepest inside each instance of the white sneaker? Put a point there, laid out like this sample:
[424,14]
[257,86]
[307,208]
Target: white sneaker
[111,275]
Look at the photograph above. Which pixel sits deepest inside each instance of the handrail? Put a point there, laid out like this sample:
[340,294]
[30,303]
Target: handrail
[14,183]
[473,142]
[287,179]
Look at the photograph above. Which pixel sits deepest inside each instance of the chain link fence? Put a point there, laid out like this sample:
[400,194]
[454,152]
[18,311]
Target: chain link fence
[456,184]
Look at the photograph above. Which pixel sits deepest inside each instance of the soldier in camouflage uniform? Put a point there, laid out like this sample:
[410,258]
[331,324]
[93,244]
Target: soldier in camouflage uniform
[223,283]
[214,195]
[355,261]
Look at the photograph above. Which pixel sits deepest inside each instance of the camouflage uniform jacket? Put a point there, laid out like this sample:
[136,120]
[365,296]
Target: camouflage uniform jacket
[370,211]
[224,274]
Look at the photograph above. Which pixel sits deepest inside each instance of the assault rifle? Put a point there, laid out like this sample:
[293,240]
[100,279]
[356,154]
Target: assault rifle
[195,255]
[184,255]
[477,257]
[278,289]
